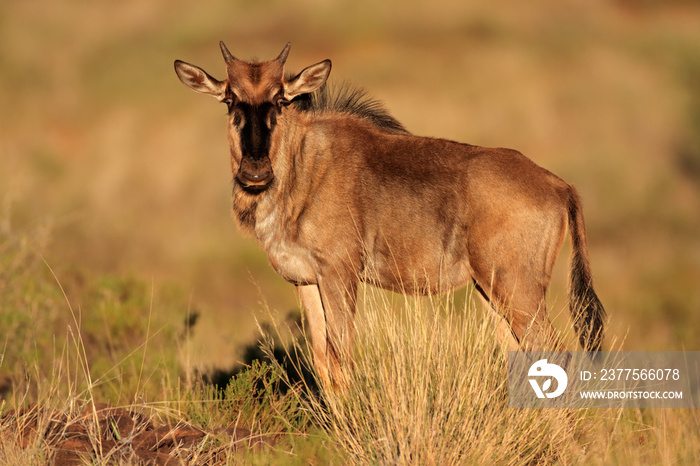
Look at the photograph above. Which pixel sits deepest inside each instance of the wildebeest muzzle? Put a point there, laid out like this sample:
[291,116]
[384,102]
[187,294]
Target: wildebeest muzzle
[255,173]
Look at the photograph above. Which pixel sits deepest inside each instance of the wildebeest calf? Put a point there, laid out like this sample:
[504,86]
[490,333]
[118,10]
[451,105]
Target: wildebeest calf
[336,192]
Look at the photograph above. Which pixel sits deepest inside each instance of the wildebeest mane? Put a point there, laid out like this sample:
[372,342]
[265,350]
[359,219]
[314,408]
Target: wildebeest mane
[347,98]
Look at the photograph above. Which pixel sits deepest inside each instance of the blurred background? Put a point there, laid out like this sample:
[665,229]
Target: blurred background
[114,177]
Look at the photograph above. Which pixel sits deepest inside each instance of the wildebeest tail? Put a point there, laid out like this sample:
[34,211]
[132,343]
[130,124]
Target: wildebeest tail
[587,311]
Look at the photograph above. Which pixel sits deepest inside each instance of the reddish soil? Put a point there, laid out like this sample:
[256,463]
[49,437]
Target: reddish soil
[117,435]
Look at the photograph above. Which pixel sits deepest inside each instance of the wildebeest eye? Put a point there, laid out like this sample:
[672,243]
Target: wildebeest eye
[229,103]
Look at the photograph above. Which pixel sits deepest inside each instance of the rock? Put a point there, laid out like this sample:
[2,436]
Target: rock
[73,452]
[27,423]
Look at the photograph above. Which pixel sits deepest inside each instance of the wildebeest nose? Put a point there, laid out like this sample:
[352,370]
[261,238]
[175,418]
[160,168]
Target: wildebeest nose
[255,173]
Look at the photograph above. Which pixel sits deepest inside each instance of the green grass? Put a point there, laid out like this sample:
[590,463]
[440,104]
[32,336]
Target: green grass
[74,342]
[59,325]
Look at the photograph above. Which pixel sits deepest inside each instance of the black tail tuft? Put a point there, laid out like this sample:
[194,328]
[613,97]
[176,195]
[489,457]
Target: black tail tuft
[586,309]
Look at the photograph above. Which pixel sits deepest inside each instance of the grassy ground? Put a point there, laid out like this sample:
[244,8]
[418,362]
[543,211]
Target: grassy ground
[429,387]
[123,279]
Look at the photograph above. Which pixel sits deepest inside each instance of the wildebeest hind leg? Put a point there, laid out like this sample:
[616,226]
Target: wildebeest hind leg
[520,317]
[532,327]
[502,329]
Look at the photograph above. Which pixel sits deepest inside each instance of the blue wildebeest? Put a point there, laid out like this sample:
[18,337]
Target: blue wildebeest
[336,191]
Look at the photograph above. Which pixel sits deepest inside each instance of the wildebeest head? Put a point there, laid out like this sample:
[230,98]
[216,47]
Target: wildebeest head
[256,94]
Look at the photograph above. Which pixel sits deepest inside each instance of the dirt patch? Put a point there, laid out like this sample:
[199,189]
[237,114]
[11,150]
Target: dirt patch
[106,433]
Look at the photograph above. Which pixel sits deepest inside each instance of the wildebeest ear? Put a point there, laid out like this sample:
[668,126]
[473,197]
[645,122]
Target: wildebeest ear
[199,81]
[310,79]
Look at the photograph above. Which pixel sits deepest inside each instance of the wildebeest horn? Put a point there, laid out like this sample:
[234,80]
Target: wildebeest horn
[227,55]
[283,55]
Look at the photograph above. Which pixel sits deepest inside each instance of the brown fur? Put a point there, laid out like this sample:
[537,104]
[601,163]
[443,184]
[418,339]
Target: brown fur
[351,200]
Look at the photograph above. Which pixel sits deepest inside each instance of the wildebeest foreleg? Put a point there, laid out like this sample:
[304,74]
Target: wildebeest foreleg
[311,301]
[339,299]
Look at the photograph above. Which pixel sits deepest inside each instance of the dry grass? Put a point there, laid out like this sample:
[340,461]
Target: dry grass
[130,170]
[429,386]
[58,415]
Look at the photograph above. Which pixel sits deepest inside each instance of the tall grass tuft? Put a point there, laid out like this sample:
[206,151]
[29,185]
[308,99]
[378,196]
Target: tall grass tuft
[429,386]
